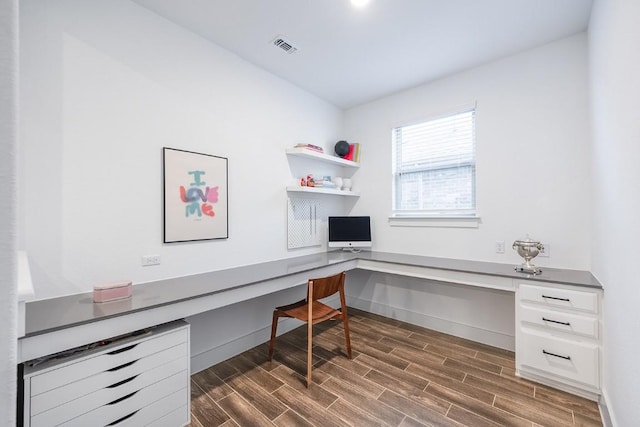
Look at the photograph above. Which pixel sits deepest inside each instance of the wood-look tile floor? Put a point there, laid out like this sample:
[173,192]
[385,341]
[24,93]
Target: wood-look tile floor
[400,375]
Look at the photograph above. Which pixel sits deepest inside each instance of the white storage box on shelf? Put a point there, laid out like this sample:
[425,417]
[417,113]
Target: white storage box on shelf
[558,336]
[135,380]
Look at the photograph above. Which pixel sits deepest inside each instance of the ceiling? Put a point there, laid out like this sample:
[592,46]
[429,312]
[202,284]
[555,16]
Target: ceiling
[348,55]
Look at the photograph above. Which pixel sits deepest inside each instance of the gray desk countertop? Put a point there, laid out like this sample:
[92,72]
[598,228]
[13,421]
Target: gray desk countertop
[56,313]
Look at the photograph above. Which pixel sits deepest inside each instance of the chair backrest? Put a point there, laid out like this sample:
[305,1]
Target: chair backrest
[325,286]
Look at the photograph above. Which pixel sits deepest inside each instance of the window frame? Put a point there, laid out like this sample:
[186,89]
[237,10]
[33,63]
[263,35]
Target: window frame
[436,218]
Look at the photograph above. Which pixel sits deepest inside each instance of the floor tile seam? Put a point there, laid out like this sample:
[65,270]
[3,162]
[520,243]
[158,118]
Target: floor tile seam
[410,361]
[586,412]
[512,392]
[557,405]
[415,402]
[249,403]
[258,384]
[355,359]
[416,388]
[488,419]
[454,360]
[400,341]
[454,346]
[193,417]
[379,402]
[346,402]
[366,392]
[560,421]
[207,393]
[295,412]
[218,376]
[434,369]
[303,380]
[435,353]
[492,406]
[390,366]
[223,410]
[479,353]
[458,392]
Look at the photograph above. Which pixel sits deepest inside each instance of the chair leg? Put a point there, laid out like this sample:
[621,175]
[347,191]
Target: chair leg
[274,327]
[345,321]
[309,351]
[347,334]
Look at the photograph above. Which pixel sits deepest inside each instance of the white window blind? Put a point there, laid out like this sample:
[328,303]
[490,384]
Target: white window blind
[434,167]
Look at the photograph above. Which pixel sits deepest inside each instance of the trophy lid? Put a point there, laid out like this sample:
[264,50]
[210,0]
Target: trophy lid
[526,242]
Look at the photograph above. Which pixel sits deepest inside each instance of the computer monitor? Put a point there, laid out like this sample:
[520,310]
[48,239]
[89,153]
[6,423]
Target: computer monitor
[349,232]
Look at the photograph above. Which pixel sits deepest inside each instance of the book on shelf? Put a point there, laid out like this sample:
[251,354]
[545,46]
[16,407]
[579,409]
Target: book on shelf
[354,153]
[312,147]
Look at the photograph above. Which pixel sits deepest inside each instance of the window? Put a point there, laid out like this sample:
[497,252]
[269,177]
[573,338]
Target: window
[434,167]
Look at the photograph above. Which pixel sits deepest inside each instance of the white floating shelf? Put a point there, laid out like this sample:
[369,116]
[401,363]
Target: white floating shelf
[320,190]
[310,154]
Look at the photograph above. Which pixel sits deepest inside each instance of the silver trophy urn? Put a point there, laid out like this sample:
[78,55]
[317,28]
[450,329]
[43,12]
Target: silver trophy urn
[528,249]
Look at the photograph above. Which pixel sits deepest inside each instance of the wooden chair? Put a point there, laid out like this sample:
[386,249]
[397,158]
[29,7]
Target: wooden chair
[315,312]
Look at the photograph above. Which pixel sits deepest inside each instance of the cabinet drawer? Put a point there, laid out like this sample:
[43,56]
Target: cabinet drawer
[171,411]
[109,395]
[566,359]
[105,379]
[561,298]
[131,403]
[76,371]
[559,321]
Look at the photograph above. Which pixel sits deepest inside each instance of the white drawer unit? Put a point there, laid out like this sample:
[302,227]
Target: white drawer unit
[558,336]
[135,380]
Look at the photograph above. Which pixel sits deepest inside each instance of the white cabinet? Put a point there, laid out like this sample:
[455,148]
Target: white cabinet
[558,336]
[322,159]
[132,381]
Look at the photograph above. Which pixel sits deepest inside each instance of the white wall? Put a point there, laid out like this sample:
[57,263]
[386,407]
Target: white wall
[8,239]
[614,35]
[533,156]
[105,85]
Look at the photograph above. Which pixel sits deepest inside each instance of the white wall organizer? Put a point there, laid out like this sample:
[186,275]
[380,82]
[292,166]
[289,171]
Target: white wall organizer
[303,222]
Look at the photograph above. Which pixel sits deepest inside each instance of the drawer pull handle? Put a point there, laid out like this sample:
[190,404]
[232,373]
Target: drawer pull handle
[119,383]
[122,350]
[123,398]
[117,368]
[556,298]
[122,419]
[556,321]
[556,355]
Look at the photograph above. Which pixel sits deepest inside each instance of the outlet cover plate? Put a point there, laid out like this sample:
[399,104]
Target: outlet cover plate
[148,260]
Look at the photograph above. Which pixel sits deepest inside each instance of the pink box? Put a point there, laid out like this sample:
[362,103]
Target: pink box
[112,291]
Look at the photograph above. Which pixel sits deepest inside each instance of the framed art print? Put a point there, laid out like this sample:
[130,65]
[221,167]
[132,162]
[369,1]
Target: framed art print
[195,196]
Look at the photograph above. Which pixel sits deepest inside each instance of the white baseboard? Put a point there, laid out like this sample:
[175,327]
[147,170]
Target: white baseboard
[202,361]
[608,418]
[493,338]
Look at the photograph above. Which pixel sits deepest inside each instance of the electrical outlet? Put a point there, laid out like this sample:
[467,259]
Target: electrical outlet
[546,251]
[148,260]
[500,246]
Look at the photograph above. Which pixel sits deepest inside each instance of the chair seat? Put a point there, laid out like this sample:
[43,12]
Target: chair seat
[300,310]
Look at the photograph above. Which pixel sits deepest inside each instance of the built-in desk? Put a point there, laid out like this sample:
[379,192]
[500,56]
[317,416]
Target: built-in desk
[58,324]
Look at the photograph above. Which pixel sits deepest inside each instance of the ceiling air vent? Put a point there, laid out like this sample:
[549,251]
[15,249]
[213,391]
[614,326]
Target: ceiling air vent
[285,45]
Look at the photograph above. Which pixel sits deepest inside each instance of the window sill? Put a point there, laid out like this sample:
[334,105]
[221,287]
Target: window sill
[436,221]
